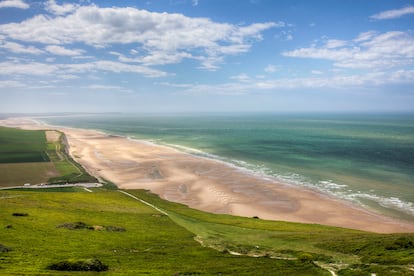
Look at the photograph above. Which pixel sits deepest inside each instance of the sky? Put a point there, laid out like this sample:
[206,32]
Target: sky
[162,56]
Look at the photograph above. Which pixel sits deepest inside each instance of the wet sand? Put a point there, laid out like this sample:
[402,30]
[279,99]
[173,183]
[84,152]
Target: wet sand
[207,184]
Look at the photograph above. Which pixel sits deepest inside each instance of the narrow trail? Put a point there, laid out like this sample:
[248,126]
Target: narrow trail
[230,252]
[145,202]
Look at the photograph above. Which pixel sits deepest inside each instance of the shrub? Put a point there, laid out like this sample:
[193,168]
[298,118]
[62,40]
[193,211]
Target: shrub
[4,248]
[80,265]
[114,229]
[74,225]
[20,214]
[306,258]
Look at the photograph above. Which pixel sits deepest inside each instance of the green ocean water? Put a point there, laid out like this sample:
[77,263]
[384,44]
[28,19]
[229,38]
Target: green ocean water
[367,159]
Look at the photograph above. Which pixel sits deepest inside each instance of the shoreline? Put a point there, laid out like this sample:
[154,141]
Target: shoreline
[208,184]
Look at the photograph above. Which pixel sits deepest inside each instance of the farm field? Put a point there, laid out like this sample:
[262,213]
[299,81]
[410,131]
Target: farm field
[28,156]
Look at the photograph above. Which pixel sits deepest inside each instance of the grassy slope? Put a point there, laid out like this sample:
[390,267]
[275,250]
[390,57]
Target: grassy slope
[338,248]
[152,244]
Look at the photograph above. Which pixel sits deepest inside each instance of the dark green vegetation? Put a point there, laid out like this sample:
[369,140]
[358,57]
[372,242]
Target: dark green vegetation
[79,265]
[153,244]
[27,157]
[22,146]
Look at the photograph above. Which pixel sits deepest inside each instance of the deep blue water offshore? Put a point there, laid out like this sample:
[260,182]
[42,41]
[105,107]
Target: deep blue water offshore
[367,158]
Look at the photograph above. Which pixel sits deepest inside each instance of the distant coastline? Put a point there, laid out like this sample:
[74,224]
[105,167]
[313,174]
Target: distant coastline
[207,184]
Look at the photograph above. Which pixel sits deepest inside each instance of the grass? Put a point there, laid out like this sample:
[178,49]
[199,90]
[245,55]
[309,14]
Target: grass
[151,244]
[21,146]
[344,250]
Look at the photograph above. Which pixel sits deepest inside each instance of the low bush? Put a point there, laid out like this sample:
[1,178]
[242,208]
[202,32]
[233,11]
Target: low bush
[82,225]
[75,225]
[114,229]
[4,248]
[79,265]
[20,214]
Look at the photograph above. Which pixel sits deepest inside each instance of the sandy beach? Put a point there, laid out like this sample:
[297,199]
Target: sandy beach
[208,184]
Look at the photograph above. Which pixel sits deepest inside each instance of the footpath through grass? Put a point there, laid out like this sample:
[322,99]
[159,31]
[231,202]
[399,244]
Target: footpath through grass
[150,243]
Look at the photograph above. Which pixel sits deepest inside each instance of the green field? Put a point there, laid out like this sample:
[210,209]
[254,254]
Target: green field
[21,146]
[27,157]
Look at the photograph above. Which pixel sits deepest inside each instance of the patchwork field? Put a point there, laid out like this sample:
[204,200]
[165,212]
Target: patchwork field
[28,156]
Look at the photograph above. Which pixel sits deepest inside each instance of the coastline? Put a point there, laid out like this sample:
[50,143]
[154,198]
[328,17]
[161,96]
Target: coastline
[207,184]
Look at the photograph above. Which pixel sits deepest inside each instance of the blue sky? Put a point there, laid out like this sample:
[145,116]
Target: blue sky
[206,55]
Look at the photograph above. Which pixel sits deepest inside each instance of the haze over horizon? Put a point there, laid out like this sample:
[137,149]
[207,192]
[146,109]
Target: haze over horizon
[209,56]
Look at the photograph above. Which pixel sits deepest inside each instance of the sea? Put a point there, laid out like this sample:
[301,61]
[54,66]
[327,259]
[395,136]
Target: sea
[366,159]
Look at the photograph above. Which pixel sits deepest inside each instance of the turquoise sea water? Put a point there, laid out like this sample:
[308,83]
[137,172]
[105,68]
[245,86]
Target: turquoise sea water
[366,159]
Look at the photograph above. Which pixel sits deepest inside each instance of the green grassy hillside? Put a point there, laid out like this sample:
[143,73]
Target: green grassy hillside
[150,243]
[349,252]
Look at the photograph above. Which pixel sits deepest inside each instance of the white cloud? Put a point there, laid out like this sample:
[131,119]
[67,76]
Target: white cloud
[317,72]
[392,14]
[61,51]
[241,78]
[365,36]
[111,66]
[11,84]
[270,68]
[14,4]
[368,51]
[155,35]
[42,69]
[19,48]
[335,43]
[34,68]
[56,9]
[251,85]
[108,87]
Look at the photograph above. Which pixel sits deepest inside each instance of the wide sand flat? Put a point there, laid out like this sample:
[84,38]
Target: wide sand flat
[207,184]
